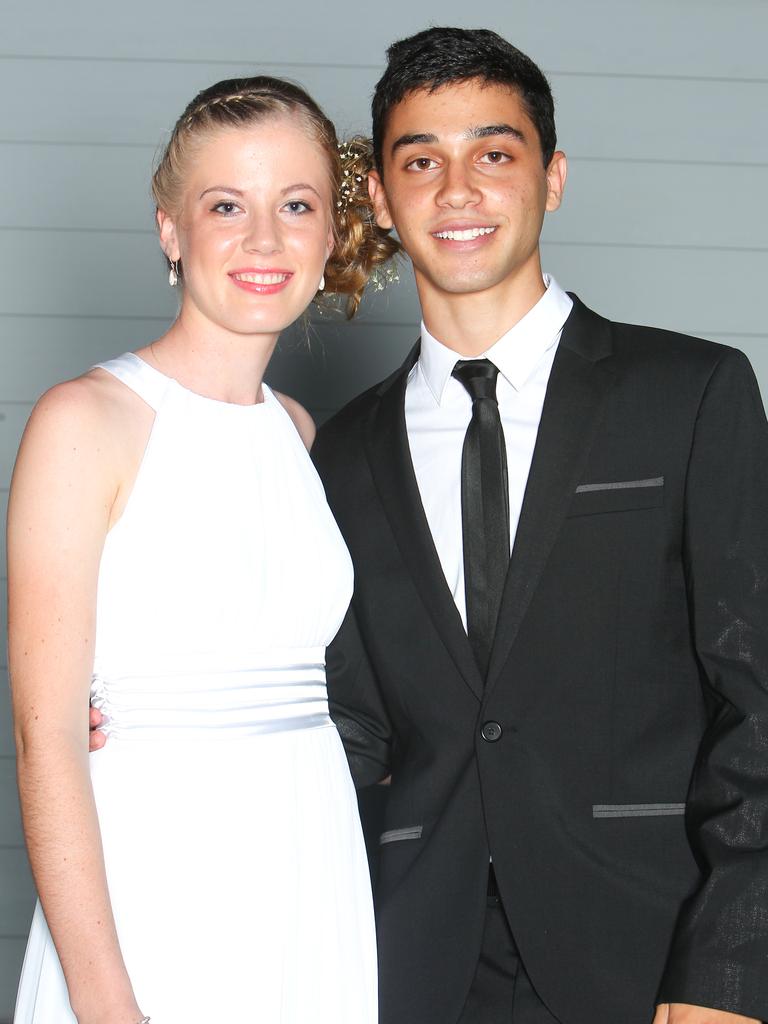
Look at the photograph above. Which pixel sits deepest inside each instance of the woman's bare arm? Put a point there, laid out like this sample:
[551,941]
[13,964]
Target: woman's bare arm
[63,491]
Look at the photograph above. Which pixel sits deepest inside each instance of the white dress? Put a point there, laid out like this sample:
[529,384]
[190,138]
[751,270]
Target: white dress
[235,860]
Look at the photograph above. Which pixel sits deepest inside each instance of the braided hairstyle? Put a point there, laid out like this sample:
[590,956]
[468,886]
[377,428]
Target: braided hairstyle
[360,245]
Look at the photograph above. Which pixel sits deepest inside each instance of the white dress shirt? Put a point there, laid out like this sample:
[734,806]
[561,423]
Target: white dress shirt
[438,410]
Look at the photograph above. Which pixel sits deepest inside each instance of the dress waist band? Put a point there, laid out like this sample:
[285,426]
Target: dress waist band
[232,703]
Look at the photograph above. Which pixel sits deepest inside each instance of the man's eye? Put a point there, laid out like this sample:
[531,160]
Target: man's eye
[422,163]
[495,157]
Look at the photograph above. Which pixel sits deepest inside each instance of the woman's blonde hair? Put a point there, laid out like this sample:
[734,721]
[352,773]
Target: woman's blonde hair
[360,245]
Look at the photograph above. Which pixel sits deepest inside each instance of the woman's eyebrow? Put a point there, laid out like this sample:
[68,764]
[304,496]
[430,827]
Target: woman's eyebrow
[298,186]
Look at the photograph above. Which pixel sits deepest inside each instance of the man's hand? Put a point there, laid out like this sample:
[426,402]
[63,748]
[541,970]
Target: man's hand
[682,1013]
[96,739]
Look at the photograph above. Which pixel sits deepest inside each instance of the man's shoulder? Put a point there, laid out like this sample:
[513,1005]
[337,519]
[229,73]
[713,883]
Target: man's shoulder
[659,348]
[659,342]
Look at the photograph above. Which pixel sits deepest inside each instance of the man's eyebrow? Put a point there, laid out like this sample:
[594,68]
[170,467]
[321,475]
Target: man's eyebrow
[417,139]
[488,130]
[478,132]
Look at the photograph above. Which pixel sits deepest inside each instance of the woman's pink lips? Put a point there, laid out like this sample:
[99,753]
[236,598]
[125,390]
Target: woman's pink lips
[257,288]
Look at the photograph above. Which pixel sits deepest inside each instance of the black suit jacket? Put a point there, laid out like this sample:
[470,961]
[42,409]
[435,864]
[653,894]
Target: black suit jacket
[615,765]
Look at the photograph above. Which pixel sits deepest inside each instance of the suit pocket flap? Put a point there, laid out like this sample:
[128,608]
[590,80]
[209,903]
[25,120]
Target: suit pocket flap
[617,496]
[397,835]
[636,810]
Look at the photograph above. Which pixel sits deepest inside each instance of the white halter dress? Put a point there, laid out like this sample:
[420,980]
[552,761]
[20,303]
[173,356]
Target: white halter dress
[235,861]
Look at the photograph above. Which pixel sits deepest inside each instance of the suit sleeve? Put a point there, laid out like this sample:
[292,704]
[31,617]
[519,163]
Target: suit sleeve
[356,705]
[354,696]
[719,953]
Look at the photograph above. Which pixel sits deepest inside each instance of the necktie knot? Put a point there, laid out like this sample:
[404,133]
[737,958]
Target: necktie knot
[478,376]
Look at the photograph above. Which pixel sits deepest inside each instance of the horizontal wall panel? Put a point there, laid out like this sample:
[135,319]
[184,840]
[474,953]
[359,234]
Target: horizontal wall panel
[640,203]
[10,818]
[13,419]
[96,187]
[96,275]
[11,958]
[696,292]
[17,892]
[681,38]
[4,620]
[3,553]
[128,103]
[646,118]
[652,119]
[662,204]
[41,351]
[7,746]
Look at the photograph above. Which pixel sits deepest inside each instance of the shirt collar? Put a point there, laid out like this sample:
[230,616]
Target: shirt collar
[517,353]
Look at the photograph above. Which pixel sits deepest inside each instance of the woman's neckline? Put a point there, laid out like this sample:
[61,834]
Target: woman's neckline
[268,393]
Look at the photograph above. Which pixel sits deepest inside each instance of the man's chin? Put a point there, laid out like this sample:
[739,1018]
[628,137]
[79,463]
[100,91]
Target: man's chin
[463,284]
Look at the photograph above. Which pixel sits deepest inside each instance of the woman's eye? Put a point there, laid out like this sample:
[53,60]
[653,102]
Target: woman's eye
[297,206]
[226,207]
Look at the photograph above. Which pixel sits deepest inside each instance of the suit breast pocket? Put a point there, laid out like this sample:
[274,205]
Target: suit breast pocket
[591,499]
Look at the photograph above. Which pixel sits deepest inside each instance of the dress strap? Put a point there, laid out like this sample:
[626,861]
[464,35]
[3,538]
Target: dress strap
[148,383]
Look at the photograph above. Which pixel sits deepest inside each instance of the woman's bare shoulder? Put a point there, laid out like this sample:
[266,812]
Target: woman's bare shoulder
[302,420]
[86,420]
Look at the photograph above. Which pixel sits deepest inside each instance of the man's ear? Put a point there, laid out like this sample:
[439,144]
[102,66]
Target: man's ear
[556,174]
[379,199]
[169,242]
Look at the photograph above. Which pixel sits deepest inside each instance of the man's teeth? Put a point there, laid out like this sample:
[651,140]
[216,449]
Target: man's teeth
[262,278]
[464,236]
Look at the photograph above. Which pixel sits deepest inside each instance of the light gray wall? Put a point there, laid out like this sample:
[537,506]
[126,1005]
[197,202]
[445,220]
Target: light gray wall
[661,108]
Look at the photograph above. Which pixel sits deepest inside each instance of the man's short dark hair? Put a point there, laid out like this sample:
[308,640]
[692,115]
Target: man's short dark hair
[440,56]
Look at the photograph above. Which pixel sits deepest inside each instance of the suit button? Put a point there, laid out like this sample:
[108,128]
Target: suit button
[491,732]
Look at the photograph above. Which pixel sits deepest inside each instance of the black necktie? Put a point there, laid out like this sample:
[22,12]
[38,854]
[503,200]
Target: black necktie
[484,507]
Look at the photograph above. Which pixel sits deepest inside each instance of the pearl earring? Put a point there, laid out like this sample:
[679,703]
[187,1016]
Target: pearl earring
[173,274]
[321,286]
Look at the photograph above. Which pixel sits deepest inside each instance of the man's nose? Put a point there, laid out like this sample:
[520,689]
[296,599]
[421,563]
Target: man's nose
[458,188]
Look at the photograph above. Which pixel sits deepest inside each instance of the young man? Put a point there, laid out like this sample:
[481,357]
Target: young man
[577,736]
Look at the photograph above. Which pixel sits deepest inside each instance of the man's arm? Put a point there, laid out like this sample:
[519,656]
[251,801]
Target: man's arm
[357,706]
[681,1013]
[719,952]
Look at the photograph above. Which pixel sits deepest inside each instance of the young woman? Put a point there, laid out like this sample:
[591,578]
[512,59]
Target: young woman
[171,553]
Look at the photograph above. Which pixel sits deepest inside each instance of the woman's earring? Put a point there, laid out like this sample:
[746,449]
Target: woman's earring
[173,274]
[321,286]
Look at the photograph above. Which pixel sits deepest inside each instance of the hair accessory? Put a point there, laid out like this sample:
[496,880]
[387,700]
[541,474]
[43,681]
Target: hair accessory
[173,277]
[384,275]
[352,181]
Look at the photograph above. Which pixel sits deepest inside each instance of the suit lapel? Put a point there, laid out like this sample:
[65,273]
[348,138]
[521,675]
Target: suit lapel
[580,379]
[392,469]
